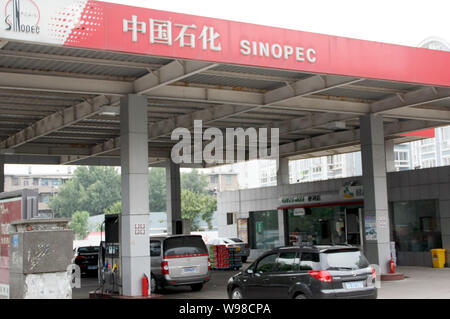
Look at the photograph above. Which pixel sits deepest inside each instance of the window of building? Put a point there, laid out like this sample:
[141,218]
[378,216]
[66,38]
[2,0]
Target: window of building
[228,179]
[416,225]
[428,163]
[230,218]
[264,233]
[446,161]
[35,181]
[15,181]
[55,182]
[214,179]
[44,182]
[26,182]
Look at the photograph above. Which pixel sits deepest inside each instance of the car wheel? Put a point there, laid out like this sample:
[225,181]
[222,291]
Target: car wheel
[197,287]
[244,259]
[300,296]
[237,294]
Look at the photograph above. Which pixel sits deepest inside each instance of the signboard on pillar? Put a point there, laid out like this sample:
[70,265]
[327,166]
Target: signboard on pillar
[370,226]
[10,210]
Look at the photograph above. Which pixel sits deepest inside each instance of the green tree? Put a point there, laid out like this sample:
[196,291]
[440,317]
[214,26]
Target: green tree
[115,208]
[92,189]
[194,181]
[195,206]
[79,224]
[157,189]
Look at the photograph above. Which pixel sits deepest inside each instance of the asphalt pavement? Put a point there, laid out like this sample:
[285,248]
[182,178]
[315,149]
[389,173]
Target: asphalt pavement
[420,283]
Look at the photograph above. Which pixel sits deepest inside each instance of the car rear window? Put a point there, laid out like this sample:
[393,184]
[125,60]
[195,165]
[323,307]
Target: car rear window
[236,240]
[344,260]
[88,250]
[184,246]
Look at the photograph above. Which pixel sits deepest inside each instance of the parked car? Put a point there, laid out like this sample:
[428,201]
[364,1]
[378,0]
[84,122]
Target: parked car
[87,259]
[178,260]
[233,242]
[306,272]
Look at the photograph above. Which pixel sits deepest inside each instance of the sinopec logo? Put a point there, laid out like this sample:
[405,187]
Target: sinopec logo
[22,16]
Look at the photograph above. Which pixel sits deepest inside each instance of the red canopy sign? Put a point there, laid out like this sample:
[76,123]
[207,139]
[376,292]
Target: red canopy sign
[106,26]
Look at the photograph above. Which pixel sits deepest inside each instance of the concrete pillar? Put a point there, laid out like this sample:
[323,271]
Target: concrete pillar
[173,197]
[283,171]
[377,246]
[135,216]
[390,156]
[2,173]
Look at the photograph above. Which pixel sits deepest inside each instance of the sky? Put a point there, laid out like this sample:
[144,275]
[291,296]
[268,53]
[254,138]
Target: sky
[404,22]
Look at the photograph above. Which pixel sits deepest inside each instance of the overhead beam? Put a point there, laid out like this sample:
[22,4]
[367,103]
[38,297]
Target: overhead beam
[167,74]
[66,84]
[348,138]
[57,121]
[417,97]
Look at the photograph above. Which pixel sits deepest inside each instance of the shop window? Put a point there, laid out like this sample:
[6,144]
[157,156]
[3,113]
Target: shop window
[266,264]
[416,225]
[264,232]
[288,262]
[230,218]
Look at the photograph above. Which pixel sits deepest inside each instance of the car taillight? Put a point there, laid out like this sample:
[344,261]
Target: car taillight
[80,258]
[321,275]
[209,264]
[374,274]
[165,268]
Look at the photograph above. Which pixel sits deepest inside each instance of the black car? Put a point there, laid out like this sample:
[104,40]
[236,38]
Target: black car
[318,272]
[87,259]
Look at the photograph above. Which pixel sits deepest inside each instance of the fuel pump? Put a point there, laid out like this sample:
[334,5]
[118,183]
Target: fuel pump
[110,271]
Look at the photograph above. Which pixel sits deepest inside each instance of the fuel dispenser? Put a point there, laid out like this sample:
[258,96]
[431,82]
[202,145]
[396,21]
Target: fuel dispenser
[109,259]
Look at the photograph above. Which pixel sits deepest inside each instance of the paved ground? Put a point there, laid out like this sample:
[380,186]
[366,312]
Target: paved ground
[421,283]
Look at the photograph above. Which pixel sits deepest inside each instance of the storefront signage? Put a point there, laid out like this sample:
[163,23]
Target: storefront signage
[351,192]
[370,227]
[113,27]
[301,199]
[259,227]
[299,212]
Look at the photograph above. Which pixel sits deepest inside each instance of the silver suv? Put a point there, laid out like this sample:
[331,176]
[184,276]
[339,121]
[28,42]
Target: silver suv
[177,261]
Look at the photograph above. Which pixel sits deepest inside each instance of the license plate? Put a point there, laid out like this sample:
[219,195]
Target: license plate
[190,269]
[92,267]
[238,249]
[354,285]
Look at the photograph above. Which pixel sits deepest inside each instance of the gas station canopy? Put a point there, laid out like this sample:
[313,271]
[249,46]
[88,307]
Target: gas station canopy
[65,64]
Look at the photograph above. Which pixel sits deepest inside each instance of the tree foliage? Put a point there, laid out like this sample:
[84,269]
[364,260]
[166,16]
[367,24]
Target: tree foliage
[96,190]
[195,206]
[157,189]
[92,189]
[79,224]
[194,181]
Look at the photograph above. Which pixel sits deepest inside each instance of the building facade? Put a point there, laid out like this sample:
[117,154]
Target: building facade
[332,212]
[46,185]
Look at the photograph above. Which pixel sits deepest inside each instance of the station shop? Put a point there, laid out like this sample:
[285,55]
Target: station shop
[332,212]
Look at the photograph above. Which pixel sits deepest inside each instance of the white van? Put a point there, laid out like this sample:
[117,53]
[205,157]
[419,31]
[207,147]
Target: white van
[179,260]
